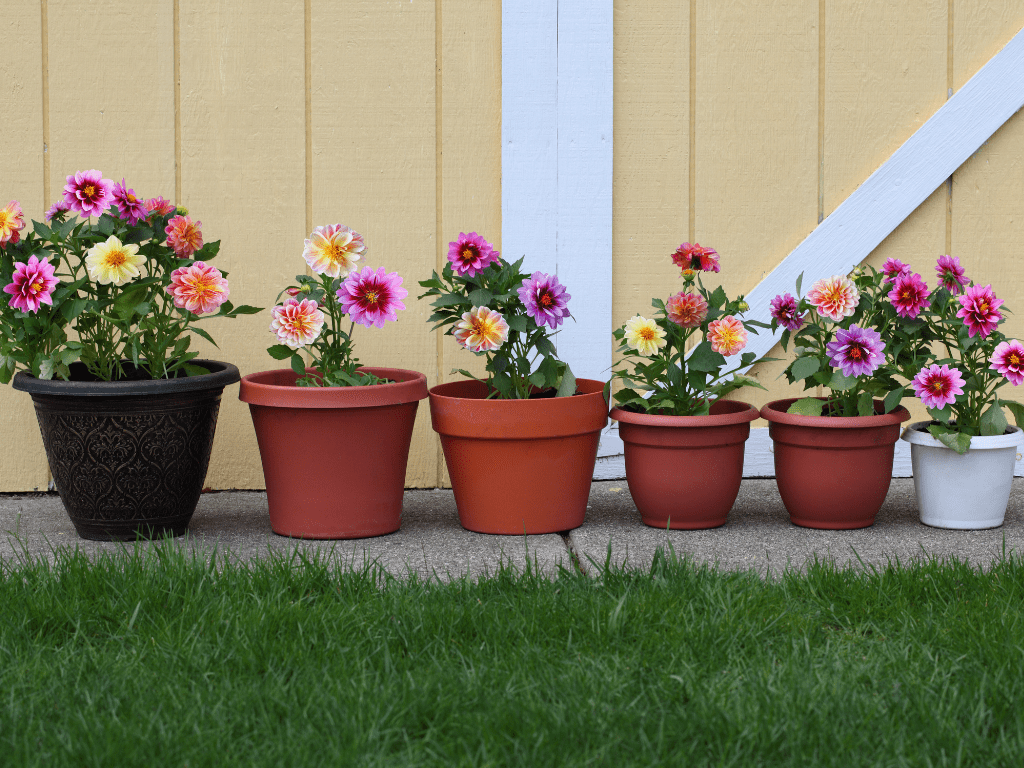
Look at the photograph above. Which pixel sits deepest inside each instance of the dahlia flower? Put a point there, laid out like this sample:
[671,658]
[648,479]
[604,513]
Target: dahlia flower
[545,299]
[938,387]
[87,193]
[32,284]
[61,206]
[909,295]
[471,254]
[11,223]
[857,351]
[645,336]
[296,323]
[132,208]
[696,257]
[481,330]
[370,298]
[159,206]
[1008,359]
[951,274]
[687,310]
[834,297]
[727,335]
[198,288]
[333,250]
[184,236]
[893,268]
[786,312]
[113,262]
[979,310]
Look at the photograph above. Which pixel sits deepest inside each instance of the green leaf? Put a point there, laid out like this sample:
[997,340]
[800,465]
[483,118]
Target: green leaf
[1016,409]
[748,381]
[784,340]
[246,309]
[195,370]
[449,300]
[200,332]
[67,227]
[105,225]
[481,297]
[799,282]
[125,304]
[298,365]
[958,441]
[993,421]
[803,367]
[517,323]
[72,309]
[942,415]
[704,358]
[567,387]
[718,298]
[46,366]
[865,404]
[806,406]
[841,383]
[893,399]
[207,252]
[42,230]
[280,351]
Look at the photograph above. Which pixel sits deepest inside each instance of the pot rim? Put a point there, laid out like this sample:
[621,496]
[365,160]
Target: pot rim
[592,388]
[775,412]
[916,436]
[746,414]
[221,375]
[259,388]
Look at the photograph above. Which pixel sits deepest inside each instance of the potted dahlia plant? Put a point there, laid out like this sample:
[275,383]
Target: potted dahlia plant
[333,394]
[529,415]
[102,300]
[963,457]
[833,455]
[673,418]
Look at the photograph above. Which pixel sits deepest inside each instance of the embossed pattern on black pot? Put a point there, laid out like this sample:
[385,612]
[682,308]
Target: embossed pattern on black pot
[129,458]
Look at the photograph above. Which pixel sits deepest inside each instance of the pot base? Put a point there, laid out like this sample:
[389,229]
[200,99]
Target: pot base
[134,531]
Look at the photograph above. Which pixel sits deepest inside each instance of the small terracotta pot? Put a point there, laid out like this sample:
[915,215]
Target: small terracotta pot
[519,466]
[833,472]
[334,458]
[684,472]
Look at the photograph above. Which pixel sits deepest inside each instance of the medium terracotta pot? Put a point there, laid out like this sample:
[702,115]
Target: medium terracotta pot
[519,466]
[833,472]
[684,472]
[334,458]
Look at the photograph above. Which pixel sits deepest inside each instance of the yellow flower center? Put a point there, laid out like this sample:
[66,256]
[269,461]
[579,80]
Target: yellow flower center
[936,386]
[116,258]
[646,333]
[301,324]
[983,306]
[1013,359]
[5,219]
[89,190]
[371,297]
[469,253]
[36,287]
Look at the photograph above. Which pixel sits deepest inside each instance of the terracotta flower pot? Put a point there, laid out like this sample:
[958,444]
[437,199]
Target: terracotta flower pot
[334,458]
[684,472]
[833,471]
[519,466]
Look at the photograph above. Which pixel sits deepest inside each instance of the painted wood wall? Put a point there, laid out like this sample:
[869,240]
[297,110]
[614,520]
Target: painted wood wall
[737,123]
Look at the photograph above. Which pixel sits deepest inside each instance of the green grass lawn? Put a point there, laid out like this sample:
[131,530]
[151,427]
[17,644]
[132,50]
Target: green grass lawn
[160,659]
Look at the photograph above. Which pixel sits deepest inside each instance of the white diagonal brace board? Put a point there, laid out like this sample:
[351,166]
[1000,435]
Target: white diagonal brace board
[915,170]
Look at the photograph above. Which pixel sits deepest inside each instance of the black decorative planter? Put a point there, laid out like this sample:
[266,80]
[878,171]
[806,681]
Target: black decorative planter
[129,458]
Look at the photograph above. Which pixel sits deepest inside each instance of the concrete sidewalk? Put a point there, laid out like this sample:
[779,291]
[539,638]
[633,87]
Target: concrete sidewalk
[431,542]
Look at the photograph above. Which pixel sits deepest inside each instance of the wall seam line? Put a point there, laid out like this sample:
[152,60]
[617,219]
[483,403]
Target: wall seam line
[177,101]
[692,169]
[821,110]
[308,64]
[45,63]
[438,200]
[949,95]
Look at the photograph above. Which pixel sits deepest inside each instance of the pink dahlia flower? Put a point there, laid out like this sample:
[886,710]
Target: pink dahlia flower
[12,221]
[858,351]
[951,274]
[786,312]
[87,193]
[184,236]
[297,323]
[198,288]
[333,250]
[132,208]
[727,335]
[834,297]
[979,310]
[1008,359]
[159,206]
[909,295]
[938,387]
[471,254]
[481,330]
[893,268]
[696,257]
[687,310]
[57,209]
[545,299]
[32,284]
[370,297]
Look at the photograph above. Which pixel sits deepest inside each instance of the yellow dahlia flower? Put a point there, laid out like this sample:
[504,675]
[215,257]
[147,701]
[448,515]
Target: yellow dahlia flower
[113,262]
[644,336]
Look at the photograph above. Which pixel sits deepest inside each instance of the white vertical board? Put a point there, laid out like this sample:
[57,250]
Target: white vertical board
[556,189]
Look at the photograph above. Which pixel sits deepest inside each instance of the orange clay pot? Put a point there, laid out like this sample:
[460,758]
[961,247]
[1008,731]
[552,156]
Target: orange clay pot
[833,471]
[519,466]
[684,472]
[334,458]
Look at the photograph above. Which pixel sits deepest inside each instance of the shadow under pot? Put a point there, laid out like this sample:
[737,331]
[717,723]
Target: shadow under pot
[129,458]
[833,472]
[519,466]
[334,458]
[684,472]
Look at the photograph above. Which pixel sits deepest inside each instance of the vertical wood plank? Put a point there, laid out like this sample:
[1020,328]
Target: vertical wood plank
[374,165]
[243,175]
[22,460]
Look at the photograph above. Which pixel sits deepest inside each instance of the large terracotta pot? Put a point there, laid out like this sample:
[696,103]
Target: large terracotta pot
[334,458]
[519,466]
[129,457]
[833,472]
[684,472]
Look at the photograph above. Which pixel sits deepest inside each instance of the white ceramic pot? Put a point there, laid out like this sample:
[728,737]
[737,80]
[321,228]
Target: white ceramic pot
[966,492]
